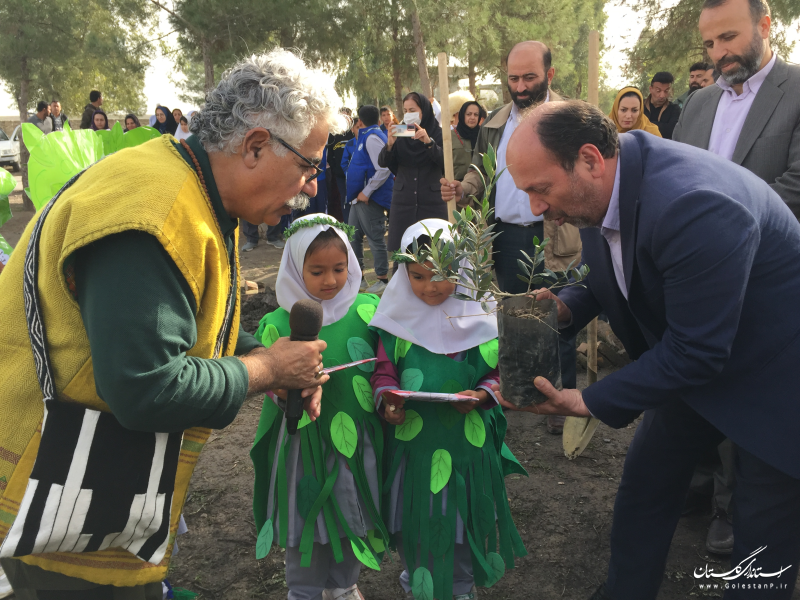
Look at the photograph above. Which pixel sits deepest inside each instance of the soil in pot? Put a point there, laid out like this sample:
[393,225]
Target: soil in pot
[528,348]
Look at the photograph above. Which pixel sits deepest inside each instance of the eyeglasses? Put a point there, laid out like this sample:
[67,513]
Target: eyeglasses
[317,170]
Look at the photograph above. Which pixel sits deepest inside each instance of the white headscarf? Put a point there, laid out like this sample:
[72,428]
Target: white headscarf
[179,135]
[406,316]
[290,287]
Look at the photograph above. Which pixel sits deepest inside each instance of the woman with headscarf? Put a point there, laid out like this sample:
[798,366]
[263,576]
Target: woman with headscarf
[465,135]
[182,132]
[417,164]
[131,122]
[165,122]
[627,112]
[99,120]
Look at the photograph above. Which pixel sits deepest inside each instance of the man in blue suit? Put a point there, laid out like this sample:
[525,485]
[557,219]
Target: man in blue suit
[700,279]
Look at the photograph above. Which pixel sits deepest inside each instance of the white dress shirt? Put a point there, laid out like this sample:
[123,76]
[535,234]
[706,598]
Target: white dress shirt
[732,111]
[610,230]
[512,205]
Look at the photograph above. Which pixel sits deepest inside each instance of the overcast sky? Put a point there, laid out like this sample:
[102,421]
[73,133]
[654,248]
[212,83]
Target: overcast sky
[622,30]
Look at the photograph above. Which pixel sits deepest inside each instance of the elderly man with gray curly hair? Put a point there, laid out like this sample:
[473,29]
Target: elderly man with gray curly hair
[121,338]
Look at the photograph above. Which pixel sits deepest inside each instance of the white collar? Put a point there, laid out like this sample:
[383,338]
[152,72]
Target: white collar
[290,287]
[611,221]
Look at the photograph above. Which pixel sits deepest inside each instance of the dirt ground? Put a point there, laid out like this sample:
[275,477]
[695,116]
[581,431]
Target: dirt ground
[563,509]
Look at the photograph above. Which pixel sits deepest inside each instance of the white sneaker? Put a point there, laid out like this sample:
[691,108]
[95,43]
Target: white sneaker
[351,593]
[364,285]
[279,244]
[5,587]
[377,288]
[249,246]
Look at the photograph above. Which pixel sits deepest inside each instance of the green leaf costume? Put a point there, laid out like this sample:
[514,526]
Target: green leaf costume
[459,461]
[346,433]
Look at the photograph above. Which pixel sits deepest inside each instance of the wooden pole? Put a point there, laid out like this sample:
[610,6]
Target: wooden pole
[594,68]
[447,140]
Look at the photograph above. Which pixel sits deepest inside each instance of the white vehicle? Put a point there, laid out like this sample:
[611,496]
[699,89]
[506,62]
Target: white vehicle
[9,149]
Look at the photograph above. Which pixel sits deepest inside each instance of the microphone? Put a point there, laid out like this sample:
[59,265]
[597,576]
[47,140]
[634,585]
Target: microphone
[305,321]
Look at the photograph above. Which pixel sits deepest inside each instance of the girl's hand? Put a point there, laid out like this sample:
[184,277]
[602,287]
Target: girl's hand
[313,403]
[391,139]
[466,406]
[422,135]
[394,414]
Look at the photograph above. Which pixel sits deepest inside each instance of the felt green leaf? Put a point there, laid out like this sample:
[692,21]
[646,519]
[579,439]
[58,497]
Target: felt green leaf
[422,584]
[409,429]
[304,420]
[363,392]
[137,136]
[498,568]
[5,250]
[7,183]
[485,512]
[441,536]
[308,490]
[474,429]
[375,541]
[270,335]
[264,540]
[401,348]
[56,158]
[344,434]
[366,312]
[359,349]
[411,380]
[451,386]
[510,462]
[364,554]
[489,352]
[5,207]
[448,415]
[441,468]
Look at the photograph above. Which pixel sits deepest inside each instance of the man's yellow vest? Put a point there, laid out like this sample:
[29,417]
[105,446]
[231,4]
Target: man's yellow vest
[148,188]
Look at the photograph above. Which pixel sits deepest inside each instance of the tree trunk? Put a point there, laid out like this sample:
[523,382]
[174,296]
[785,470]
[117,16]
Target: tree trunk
[472,75]
[419,47]
[24,155]
[398,84]
[208,65]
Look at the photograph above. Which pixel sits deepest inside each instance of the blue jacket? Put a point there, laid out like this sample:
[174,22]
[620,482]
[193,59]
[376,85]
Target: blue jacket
[361,170]
[713,279]
[347,154]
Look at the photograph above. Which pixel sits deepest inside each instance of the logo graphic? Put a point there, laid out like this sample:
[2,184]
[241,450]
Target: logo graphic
[746,570]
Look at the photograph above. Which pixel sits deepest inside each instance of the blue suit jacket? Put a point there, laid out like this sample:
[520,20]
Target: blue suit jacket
[712,265]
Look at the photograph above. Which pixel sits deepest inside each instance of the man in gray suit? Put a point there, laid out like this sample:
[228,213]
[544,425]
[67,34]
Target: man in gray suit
[752,117]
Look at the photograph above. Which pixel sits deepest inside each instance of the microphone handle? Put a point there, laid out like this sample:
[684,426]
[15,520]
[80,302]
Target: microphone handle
[294,410]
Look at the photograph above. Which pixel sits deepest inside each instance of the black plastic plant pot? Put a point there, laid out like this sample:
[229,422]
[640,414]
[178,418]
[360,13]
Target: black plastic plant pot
[528,348]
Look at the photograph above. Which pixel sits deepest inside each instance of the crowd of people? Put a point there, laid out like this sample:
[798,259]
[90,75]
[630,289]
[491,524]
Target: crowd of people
[686,213]
[50,118]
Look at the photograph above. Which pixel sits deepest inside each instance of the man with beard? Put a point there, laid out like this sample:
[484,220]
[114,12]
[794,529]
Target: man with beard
[699,278]
[701,75]
[529,76]
[121,311]
[751,116]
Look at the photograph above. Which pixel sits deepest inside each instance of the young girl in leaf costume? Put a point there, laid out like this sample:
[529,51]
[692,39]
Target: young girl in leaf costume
[318,492]
[445,500]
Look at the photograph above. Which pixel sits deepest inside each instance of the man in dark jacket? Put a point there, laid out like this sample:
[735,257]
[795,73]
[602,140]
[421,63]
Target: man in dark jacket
[95,102]
[699,278]
[57,116]
[657,106]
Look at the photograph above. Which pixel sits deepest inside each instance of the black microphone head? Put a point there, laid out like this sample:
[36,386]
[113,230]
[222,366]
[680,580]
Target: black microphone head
[305,320]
